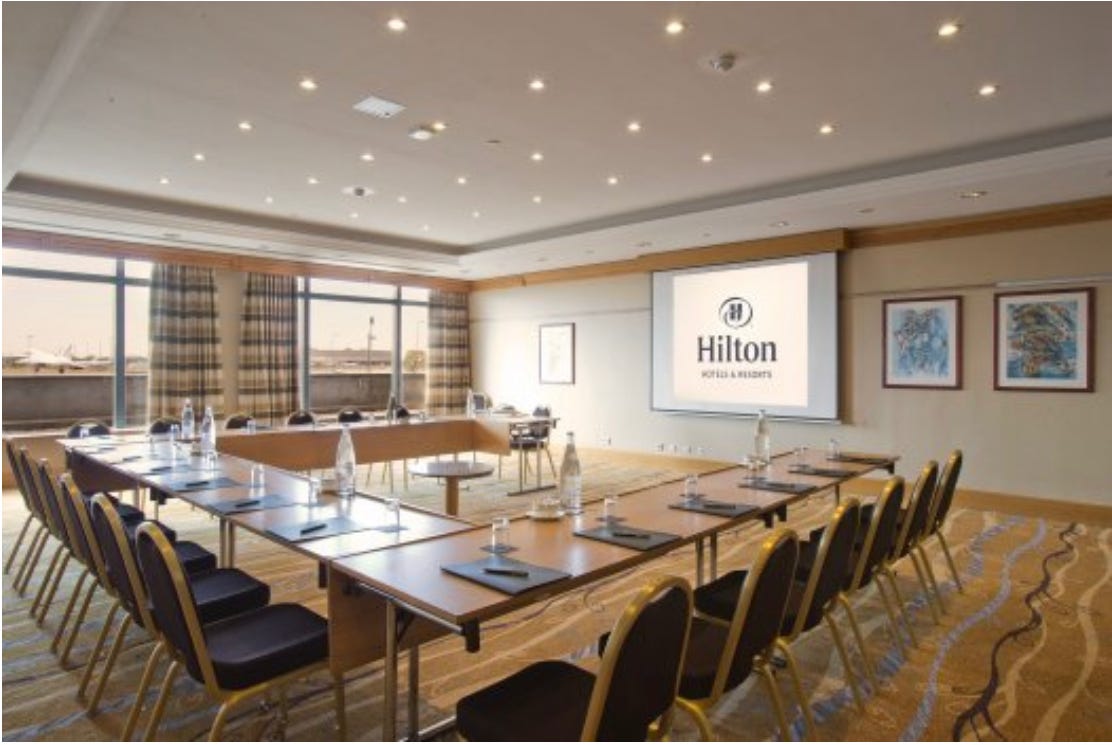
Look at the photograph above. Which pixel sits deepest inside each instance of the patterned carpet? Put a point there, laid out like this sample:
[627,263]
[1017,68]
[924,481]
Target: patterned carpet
[1022,654]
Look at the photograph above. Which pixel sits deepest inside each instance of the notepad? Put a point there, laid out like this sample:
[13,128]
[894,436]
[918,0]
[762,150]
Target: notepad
[830,473]
[252,504]
[785,487]
[711,507]
[505,575]
[311,530]
[628,536]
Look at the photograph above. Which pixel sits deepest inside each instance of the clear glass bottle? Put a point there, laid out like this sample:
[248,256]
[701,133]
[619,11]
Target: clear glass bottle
[571,480]
[470,403]
[188,420]
[345,464]
[762,440]
[208,434]
[392,409]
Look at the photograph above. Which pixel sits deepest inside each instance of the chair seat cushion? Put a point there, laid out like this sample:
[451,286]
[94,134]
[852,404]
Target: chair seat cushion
[263,644]
[704,652]
[223,593]
[719,597]
[546,701]
[194,559]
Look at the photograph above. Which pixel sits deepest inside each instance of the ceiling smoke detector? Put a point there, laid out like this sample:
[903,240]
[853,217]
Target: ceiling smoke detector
[358,191]
[722,63]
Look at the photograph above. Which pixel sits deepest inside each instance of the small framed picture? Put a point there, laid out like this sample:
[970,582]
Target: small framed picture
[557,353]
[1044,340]
[922,343]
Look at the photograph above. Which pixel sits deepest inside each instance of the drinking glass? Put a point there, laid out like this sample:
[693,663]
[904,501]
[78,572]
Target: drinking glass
[83,432]
[258,476]
[499,533]
[251,427]
[801,456]
[393,511]
[610,507]
[833,450]
[691,488]
[314,491]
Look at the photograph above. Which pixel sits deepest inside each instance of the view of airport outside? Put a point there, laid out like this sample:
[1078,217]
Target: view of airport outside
[58,341]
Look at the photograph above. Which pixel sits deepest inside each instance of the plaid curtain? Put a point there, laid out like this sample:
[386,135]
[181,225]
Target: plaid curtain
[268,347]
[449,371]
[185,341]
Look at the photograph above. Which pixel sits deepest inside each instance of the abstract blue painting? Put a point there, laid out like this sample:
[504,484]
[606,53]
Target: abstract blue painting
[922,343]
[1043,339]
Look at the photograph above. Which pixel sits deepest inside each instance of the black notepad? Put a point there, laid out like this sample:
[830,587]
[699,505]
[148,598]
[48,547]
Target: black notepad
[311,530]
[712,507]
[513,576]
[628,536]
[252,504]
[868,460]
[784,487]
[830,473]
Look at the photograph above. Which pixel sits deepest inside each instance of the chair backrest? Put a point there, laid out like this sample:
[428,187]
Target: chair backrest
[944,494]
[541,430]
[301,416]
[401,412]
[161,426]
[82,518]
[26,467]
[43,477]
[94,427]
[918,510]
[237,421]
[832,564]
[760,609]
[78,543]
[349,415]
[175,610]
[17,472]
[881,534]
[119,561]
[480,401]
[639,674]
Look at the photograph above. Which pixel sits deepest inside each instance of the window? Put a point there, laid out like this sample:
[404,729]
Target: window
[61,361]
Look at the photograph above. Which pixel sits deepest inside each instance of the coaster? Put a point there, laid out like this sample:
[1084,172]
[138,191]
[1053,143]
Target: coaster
[501,548]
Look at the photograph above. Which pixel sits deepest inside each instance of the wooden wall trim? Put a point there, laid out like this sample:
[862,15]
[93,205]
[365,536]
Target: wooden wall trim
[723,253]
[1044,216]
[38,240]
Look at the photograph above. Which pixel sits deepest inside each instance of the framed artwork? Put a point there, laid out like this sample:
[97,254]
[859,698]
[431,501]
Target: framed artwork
[922,343]
[557,353]
[1044,340]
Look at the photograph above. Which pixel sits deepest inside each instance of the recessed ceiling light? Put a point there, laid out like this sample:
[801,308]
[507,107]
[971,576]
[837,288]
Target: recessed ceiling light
[269,200]
[988,89]
[612,180]
[402,199]
[397,24]
[975,194]
[246,126]
[706,157]
[476,214]
[425,228]
[536,199]
[634,126]
[199,157]
[536,84]
[312,181]
[461,180]
[421,134]
[366,157]
[764,86]
[354,215]
[439,126]
[779,224]
[826,129]
[164,180]
[675,27]
[308,84]
[950,28]
[537,156]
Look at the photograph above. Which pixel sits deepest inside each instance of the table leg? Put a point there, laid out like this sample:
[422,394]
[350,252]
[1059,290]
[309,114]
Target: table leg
[713,556]
[414,688]
[699,563]
[538,466]
[521,469]
[231,557]
[451,495]
[390,676]
[223,557]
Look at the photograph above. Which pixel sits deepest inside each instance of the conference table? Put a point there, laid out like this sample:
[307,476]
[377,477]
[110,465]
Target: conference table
[396,585]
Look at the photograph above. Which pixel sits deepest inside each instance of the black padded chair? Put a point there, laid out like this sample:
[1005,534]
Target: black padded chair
[913,526]
[94,429]
[532,437]
[721,654]
[161,426]
[301,416]
[350,416]
[944,498]
[632,695]
[33,519]
[238,421]
[40,474]
[235,658]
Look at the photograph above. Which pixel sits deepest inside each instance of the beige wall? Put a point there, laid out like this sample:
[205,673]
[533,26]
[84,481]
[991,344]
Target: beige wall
[1052,445]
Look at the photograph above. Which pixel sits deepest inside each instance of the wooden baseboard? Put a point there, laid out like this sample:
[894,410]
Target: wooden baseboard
[1086,513]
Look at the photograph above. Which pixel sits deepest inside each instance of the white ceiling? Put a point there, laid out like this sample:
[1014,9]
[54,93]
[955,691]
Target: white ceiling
[102,100]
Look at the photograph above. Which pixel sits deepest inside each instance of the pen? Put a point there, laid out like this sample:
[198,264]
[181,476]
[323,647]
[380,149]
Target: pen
[126,458]
[247,503]
[718,505]
[157,469]
[506,572]
[190,484]
[627,534]
[314,528]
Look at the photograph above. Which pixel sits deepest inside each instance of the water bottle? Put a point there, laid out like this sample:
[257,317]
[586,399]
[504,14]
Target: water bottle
[345,464]
[392,409]
[187,421]
[208,435]
[571,481]
[470,403]
[762,441]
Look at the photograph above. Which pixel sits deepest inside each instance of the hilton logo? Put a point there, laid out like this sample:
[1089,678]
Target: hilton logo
[735,312]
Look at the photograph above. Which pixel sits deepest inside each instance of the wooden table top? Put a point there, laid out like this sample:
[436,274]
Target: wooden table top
[460,469]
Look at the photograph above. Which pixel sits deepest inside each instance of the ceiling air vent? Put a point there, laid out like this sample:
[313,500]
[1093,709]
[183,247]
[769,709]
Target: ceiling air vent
[379,107]
[358,191]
